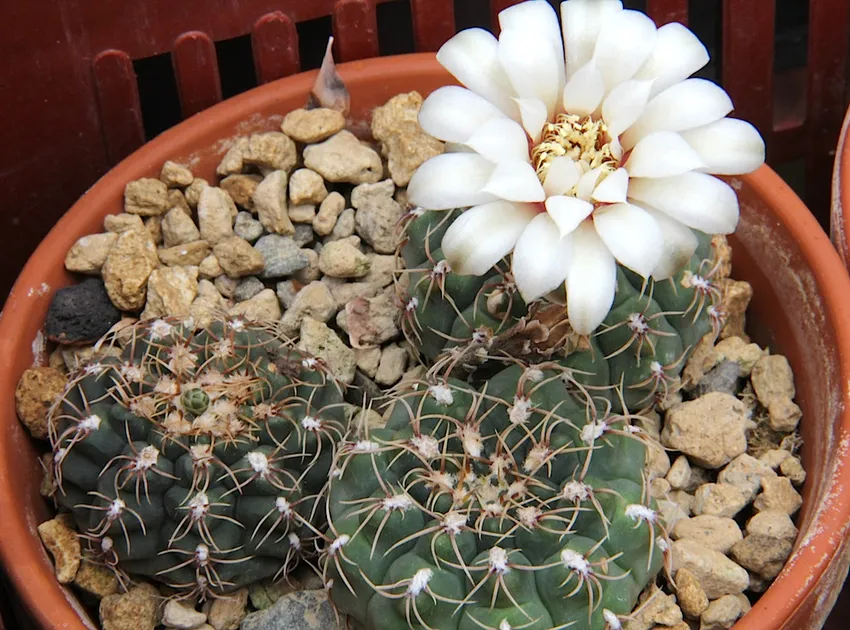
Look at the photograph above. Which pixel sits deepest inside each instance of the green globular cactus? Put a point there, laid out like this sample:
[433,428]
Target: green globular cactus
[516,505]
[641,347]
[197,458]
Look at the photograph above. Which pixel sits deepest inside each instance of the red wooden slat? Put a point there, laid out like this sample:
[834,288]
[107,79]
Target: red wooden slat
[827,83]
[496,7]
[118,104]
[355,26]
[433,23]
[664,11]
[748,60]
[274,41]
[196,70]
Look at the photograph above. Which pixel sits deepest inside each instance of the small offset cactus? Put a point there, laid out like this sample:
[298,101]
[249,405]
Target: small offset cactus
[517,505]
[197,458]
[642,345]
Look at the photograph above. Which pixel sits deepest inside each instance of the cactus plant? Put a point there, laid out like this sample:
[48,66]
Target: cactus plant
[516,505]
[642,345]
[197,457]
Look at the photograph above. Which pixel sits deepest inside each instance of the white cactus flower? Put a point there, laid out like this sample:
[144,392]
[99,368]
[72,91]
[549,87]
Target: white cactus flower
[579,146]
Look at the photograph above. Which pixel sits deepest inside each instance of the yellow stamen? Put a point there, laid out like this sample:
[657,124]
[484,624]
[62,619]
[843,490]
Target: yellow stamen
[581,138]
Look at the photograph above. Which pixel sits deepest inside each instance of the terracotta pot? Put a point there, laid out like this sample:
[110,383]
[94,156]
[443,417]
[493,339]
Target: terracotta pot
[801,309]
[840,209]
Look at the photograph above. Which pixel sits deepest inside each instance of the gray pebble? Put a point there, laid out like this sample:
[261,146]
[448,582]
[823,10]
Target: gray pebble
[286,292]
[282,256]
[302,610]
[248,288]
[304,234]
[722,378]
[247,227]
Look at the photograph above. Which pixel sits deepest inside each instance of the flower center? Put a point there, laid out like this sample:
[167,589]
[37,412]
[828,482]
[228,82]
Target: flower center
[581,138]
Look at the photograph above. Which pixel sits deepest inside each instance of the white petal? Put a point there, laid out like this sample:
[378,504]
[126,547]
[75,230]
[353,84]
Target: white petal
[580,20]
[624,105]
[483,235]
[613,188]
[567,212]
[632,236]
[500,140]
[541,258]
[451,180]
[625,40]
[680,243]
[662,154]
[584,90]
[515,181]
[472,57]
[685,105]
[587,184]
[727,147]
[591,283]
[537,16]
[534,115]
[562,175]
[453,113]
[700,201]
[678,53]
[532,69]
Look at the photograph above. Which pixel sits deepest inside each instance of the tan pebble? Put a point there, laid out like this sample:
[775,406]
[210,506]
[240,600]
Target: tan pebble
[241,188]
[711,430]
[774,457]
[679,474]
[175,175]
[134,610]
[310,273]
[154,228]
[773,524]
[302,214]
[306,187]
[659,488]
[209,268]
[654,607]
[702,359]
[89,253]
[181,617]
[96,579]
[178,228]
[719,499]
[227,612]
[263,307]
[745,472]
[691,597]
[123,222]
[658,461]
[314,125]
[234,160]
[186,255]
[378,215]
[64,545]
[372,321]
[344,292]
[238,258]
[717,574]
[146,197]
[722,613]
[36,391]
[778,494]
[793,469]
[171,291]
[762,554]
[382,268]
[127,268]
[392,365]
[773,379]
[783,415]
[271,205]
[193,192]
[671,512]
[736,296]
[272,150]
[329,210]
[315,301]
[340,259]
[208,306]
[711,532]
[684,499]
[403,141]
[342,158]
[216,213]
[368,360]
[320,341]
[746,355]
[176,199]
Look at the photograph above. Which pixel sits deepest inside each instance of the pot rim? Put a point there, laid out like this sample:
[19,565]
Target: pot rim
[839,224]
[20,548]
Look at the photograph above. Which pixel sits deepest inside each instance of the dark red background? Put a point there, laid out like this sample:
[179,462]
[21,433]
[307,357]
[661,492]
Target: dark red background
[83,83]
